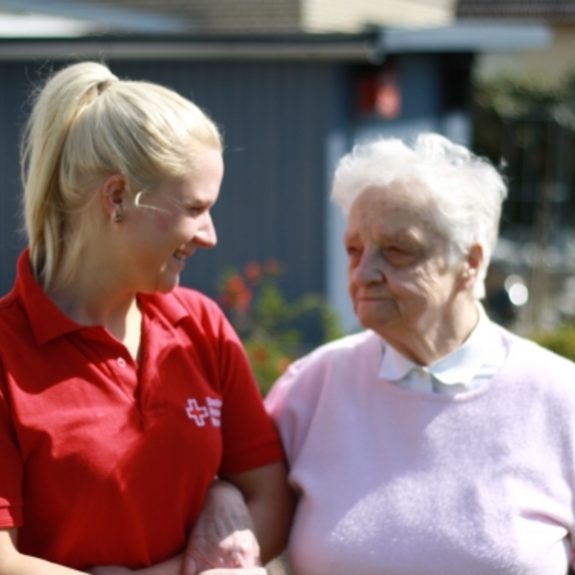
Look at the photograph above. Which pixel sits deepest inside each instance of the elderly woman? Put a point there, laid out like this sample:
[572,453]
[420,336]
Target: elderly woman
[434,442]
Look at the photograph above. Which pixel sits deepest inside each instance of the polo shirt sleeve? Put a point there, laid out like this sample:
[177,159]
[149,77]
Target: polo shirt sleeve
[250,439]
[11,466]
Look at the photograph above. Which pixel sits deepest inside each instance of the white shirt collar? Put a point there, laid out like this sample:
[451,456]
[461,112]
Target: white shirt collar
[484,346]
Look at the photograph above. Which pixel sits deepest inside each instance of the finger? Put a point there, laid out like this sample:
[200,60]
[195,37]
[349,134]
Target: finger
[189,566]
[253,571]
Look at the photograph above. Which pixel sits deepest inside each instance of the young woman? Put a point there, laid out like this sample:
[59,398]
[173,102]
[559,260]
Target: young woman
[123,395]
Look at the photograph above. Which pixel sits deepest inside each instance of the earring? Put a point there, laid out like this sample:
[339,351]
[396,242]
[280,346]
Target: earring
[117,217]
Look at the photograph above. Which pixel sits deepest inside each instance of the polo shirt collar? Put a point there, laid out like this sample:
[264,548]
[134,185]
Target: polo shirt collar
[49,322]
[46,320]
[458,367]
[168,305]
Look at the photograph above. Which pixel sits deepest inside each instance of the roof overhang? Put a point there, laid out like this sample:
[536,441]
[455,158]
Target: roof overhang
[371,46]
[468,36]
[352,47]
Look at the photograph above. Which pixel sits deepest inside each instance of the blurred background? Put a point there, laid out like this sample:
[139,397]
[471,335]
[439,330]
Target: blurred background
[293,84]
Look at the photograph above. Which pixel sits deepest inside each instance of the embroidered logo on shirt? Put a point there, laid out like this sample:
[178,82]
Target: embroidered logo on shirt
[200,413]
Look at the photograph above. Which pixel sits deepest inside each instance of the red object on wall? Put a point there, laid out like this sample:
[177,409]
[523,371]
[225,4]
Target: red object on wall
[378,92]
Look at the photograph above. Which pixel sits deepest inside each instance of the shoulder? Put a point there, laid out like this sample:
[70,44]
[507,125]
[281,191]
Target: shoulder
[194,300]
[185,303]
[8,300]
[344,353]
[528,356]
[10,308]
[317,383]
[342,350]
[343,358]
[536,375]
[14,322]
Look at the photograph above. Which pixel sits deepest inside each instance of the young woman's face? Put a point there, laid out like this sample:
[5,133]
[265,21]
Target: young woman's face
[170,223]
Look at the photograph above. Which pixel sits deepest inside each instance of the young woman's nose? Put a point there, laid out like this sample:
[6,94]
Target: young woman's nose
[206,236]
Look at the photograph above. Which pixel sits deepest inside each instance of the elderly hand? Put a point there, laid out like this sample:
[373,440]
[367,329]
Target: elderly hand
[223,538]
[110,570]
[254,571]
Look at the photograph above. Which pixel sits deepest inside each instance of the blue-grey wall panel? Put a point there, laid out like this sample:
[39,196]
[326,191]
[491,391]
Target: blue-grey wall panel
[14,84]
[275,117]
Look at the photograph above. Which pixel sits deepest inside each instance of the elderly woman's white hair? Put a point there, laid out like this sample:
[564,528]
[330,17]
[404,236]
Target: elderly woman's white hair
[466,191]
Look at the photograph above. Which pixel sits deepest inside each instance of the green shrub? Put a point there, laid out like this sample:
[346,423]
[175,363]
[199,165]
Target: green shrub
[560,340]
[270,327]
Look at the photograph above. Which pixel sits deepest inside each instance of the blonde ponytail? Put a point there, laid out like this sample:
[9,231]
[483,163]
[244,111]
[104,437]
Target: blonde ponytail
[87,124]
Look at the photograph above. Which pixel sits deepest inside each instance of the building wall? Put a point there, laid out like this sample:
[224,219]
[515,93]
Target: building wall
[556,62]
[305,15]
[14,85]
[551,64]
[294,15]
[346,16]
[274,116]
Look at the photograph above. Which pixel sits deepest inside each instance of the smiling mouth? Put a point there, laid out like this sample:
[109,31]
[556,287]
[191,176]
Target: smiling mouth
[181,255]
[372,297]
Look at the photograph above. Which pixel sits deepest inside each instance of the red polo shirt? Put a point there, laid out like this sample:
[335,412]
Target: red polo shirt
[102,462]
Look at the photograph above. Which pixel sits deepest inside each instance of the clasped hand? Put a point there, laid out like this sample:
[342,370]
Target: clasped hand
[221,543]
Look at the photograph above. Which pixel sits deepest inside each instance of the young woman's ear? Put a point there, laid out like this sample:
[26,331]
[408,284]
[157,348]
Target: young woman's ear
[113,194]
[472,265]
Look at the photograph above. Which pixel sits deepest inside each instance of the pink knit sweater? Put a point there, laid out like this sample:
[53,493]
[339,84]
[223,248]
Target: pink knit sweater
[405,483]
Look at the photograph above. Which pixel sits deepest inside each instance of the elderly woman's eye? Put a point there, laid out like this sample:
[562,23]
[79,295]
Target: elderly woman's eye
[352,251]
[398,255]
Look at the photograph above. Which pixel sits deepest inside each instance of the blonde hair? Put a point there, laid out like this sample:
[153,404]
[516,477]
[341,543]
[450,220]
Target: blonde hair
[86,125]
[467,191]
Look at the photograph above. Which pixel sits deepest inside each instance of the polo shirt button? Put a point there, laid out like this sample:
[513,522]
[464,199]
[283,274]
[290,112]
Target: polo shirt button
[121,362]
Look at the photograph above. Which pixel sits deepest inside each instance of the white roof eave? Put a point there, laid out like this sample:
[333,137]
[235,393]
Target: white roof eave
[467,36]
[40,26]
[91,17]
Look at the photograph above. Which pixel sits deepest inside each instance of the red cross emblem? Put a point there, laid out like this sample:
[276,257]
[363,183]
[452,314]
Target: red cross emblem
[196,412]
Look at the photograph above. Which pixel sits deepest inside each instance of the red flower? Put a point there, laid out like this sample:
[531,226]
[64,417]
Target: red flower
[272,267]
[283,364]
[253,272]
[236,294]
[260,354]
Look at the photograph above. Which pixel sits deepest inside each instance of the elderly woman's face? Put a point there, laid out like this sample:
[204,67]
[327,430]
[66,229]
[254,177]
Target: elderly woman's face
[398,274]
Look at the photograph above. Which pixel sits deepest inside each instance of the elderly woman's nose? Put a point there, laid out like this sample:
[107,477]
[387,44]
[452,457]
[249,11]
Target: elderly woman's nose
[368,269]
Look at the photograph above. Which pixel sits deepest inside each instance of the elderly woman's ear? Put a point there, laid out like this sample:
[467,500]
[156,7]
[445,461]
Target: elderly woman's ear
[471,267]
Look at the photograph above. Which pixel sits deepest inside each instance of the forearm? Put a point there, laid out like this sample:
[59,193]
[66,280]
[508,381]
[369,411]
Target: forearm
[26,565]
[12,562]
[172,566]
[271,503]
[271,528]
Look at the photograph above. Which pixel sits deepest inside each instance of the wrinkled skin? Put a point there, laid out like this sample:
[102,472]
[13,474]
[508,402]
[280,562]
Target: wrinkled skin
[223,535]
[400,280]
[221,543]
